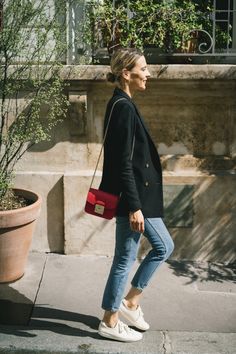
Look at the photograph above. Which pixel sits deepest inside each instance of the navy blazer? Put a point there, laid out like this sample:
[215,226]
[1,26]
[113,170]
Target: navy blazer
[139,177]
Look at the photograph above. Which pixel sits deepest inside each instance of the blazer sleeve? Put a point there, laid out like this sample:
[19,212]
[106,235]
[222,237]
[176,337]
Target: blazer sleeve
[125,125]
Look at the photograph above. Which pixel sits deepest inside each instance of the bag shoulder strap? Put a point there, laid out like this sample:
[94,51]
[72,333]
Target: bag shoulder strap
[104,139]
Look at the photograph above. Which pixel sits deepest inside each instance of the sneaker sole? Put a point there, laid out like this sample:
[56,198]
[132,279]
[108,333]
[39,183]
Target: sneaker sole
[133,322]
[109,336]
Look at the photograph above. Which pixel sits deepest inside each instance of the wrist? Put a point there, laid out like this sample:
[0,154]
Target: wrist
[133,211]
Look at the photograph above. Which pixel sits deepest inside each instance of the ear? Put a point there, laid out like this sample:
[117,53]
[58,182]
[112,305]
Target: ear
[126,74]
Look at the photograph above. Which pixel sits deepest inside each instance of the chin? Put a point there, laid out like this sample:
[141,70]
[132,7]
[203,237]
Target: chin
[142,88]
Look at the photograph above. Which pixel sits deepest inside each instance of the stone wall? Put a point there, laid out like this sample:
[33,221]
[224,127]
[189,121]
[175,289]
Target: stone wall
[191,115]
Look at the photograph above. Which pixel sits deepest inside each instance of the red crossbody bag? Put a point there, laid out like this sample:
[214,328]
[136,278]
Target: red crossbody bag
[98,202]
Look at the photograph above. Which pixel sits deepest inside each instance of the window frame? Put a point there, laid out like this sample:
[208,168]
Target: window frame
[1,15]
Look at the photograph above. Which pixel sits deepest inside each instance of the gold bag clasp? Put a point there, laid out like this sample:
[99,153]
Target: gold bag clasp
[99,209]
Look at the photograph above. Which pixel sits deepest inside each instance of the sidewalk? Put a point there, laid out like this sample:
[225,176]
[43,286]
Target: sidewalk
[55,308]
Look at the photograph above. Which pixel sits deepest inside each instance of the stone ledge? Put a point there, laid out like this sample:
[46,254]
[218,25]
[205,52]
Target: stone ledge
[89,173]
[164,71]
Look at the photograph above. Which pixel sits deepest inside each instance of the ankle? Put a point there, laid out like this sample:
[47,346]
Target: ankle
[110,318]
[131,305]
[110,323]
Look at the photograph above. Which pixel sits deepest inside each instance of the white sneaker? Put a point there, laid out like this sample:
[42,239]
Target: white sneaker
[135,317]
[120,332]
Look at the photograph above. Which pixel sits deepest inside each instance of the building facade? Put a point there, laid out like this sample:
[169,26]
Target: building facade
[190,110]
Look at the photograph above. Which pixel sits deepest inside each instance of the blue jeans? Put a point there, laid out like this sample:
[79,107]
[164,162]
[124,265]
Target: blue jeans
[126,248]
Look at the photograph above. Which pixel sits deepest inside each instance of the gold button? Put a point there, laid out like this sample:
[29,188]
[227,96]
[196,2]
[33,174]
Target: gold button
[147,165]
[146,184]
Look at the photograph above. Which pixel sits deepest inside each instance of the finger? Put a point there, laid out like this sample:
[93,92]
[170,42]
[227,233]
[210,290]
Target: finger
[142,227]
[138,227]
[135,227]
[132,226]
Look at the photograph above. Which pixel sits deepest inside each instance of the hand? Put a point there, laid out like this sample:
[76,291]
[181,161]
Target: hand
[136,221]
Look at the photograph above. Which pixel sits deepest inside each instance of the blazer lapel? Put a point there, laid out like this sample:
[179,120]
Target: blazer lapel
[142,121]
[123,94]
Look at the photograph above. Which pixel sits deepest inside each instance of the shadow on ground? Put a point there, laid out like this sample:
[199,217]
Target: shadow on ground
[18,312]
[204,271]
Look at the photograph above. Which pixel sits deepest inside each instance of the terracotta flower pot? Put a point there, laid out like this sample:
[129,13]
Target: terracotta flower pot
[16,230]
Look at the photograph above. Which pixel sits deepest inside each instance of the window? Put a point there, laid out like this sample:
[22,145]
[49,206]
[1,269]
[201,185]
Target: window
[1,14]
[224,21]
[77,50]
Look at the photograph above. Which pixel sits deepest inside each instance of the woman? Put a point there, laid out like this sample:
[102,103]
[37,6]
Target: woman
[131,169]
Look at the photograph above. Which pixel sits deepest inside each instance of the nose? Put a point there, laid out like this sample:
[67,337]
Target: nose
[148,74]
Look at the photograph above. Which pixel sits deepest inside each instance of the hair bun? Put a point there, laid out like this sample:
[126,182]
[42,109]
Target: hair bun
[111,77]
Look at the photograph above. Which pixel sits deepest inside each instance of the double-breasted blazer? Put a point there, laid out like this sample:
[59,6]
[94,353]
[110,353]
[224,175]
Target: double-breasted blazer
[131,164]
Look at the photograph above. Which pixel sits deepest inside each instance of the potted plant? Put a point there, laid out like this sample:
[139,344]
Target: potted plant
[32,102]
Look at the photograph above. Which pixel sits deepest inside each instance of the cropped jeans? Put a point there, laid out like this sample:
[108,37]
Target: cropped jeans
[126,248]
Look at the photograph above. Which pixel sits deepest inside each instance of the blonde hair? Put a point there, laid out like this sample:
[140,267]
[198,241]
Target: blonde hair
[122,58]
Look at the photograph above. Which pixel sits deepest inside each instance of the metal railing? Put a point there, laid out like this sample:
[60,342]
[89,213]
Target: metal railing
[223,17]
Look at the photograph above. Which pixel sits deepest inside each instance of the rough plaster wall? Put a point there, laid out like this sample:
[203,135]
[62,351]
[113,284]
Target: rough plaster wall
[188,117]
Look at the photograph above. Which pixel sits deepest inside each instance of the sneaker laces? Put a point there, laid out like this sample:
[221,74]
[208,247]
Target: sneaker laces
[140,312]
[141,315]
[123,327]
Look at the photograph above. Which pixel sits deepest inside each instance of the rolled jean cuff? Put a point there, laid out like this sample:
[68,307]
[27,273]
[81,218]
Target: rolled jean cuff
[137,287]
[110,309]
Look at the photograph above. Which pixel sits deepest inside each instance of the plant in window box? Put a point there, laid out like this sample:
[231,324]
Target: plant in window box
[32,102]
[164,25]
[104,27]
